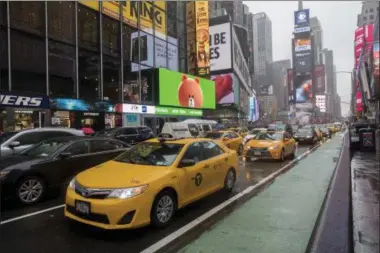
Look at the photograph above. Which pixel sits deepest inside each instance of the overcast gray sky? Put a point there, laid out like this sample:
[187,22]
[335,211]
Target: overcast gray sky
[338,20]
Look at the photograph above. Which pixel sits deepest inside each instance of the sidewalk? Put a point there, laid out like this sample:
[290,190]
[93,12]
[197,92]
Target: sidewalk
[282,217]
[365,169]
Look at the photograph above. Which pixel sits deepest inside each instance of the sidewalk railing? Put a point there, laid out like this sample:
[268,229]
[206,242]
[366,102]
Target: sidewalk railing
[333,230]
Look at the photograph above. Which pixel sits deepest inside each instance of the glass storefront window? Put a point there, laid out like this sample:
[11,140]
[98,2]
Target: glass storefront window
[111,78]
[111,59]
[3,47]
[127,39]
[89,55]
[28,63]
[147,84]
[131,88]
[161,48]
[62,70]
[61,21]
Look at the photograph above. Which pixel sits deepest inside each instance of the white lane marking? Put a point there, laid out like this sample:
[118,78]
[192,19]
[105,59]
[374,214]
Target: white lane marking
[176,234]
[31,214]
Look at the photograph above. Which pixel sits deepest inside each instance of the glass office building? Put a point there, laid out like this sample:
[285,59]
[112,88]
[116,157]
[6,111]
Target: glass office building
[90,50]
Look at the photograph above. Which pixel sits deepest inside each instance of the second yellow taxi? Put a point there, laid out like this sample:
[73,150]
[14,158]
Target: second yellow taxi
[149,182]
[275,146]
[231,139]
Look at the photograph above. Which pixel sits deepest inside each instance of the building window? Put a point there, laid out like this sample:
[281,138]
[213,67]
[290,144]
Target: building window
[130,84]
[371,17]
[61,21]
[28,16]
[371,10]
[88,28]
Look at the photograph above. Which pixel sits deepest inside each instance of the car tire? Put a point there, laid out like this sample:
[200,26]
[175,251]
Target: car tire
[240,149]
[293,154]
[30,190]
[167,201]
[282,155]
[229,180]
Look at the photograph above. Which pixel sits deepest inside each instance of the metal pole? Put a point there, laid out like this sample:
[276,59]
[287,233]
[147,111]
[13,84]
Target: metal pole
[47,50]
[139,56]
[101,49]
[121,55]
[76,51]
[9,47]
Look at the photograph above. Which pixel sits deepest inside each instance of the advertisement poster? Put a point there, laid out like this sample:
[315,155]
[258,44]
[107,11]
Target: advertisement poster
[191,38]
[147,52]
[376,60]
[144,10]
[177,89]
[226,89]
[359,41]
[319,74]
[252,109]
[320,102]
[301,45]
[303,86]
[220,47]
[359,102]
[302,18]
[71,104]
[91,4]
[290,74]
[202,44]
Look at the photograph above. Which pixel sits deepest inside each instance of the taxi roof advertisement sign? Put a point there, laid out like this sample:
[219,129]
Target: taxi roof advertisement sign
[302,18]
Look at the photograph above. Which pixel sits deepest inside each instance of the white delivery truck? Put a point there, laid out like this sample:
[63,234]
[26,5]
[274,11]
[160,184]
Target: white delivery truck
[203,125]
[180,129]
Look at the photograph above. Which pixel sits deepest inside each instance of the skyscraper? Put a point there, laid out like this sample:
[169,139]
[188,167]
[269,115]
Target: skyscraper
[370,10]
[263,52]
[317,34]
[278,80]
[328,60]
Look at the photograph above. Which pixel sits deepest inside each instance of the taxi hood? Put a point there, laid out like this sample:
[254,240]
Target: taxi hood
[262,143]
[113,174]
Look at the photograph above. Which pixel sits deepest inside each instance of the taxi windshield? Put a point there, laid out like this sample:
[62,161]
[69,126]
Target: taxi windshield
[255,131]
[304,130]
[151,153]
[268,137]
[214,135]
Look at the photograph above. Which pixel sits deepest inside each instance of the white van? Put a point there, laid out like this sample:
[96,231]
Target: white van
[180,129]
[203,125]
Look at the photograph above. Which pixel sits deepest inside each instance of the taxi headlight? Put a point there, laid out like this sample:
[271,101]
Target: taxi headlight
[126,193]
[308,136]
[274,147]
[248,147]
[72,184]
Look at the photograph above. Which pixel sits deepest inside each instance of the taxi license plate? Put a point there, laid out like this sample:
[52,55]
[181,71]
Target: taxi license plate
[258,153]
[82,207]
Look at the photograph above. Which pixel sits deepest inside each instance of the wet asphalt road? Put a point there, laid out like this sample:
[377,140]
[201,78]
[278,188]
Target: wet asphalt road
[49,232]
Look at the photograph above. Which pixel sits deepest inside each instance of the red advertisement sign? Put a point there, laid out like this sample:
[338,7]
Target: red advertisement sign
[319,77]
[363,35]
[359,41]
[359,104]
[376,60]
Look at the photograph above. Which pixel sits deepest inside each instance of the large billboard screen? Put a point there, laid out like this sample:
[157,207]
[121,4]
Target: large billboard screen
[303,88]
[181,90]
[226,88]
[202,38]
[319,78]
[220,47]
[302,18]
[303,62]
[320,102]
[302,45]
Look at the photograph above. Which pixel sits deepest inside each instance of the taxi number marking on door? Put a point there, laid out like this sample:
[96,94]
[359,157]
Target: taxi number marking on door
[198,179]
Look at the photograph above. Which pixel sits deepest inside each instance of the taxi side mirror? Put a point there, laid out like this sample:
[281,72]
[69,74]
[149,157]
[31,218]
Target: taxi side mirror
[186,163]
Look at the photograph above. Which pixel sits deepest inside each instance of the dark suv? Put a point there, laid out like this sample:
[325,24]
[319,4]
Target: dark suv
[129,135]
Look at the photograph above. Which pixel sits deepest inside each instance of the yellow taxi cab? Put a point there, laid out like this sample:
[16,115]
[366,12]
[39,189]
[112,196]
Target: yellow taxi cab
[231,139]
[275,146]
[148,183]
[242,131]
[332,128]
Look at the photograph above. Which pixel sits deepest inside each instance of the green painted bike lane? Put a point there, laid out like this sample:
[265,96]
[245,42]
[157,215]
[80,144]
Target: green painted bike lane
[281,218]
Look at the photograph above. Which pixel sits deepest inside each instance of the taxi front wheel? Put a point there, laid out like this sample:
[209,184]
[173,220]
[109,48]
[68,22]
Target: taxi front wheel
[229,180]
[163,209]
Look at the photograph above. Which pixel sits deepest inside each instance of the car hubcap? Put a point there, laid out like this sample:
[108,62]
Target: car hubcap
[230,179]
[165,209]
[30,190]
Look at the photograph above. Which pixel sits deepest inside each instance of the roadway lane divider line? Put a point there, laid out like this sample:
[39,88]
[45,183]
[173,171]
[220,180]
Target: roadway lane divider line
[180,232]
[31,214]
[226,203]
